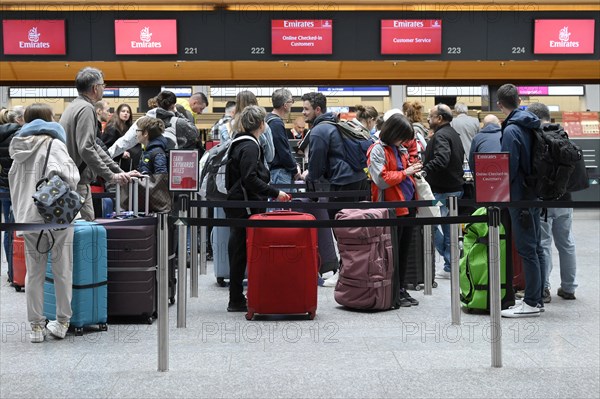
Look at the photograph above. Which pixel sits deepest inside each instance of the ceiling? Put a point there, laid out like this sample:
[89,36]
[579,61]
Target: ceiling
[324,72]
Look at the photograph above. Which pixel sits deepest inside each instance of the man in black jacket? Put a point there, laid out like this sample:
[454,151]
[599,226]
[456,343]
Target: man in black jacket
[443,170]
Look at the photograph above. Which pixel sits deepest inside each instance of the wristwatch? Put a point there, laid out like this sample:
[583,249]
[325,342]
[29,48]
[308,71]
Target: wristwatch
[423,173]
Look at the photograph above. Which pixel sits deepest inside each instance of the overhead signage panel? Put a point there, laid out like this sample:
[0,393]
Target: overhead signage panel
[301,36]
[34,37]
[414,36]
[145,36]
[564,36]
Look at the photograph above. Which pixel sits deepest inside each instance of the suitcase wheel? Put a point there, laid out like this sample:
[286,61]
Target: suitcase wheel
[103,327]
[79,331]
[249,316]
[311,315]
[150,320]
[17,287]
[434,284]
[172,300]
[418,287]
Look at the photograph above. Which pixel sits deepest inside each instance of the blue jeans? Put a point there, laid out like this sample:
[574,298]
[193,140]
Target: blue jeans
[558,227]
[442,237]
[527,234]
[8,235]
[281,176]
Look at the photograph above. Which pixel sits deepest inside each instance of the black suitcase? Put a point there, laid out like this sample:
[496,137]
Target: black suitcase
[132,260]
[414,271]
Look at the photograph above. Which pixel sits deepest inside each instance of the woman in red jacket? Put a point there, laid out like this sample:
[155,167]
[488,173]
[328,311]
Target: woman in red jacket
[392,163]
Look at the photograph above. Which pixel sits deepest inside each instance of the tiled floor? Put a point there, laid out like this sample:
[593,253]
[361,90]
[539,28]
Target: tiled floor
[410,352]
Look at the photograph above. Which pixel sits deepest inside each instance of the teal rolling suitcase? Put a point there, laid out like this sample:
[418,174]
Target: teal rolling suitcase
[89,303]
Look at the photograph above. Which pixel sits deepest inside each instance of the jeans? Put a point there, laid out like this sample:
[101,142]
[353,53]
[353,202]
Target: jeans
[8,235]
[442,237]
[281,176]
[558,227]
[527,234]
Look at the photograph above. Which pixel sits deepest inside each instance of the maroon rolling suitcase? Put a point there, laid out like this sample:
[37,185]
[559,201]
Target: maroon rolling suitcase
[282,267]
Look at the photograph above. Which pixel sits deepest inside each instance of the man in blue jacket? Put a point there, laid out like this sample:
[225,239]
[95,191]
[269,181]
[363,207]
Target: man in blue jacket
[517,140]
[326,158]
[283,167]
[487,140]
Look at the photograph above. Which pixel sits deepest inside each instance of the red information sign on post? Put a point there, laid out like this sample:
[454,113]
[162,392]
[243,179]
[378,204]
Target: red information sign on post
[492,177]
[183,170]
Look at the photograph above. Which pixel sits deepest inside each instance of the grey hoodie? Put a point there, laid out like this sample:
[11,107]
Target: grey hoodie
[28,152]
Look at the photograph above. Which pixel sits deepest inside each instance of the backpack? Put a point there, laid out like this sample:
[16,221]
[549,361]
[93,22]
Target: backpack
[553,160]
[180,134]
[213,165]
[474,270]
[356,142]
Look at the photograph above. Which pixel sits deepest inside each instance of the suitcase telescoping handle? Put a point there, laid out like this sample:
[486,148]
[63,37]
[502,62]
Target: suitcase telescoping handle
[133,203]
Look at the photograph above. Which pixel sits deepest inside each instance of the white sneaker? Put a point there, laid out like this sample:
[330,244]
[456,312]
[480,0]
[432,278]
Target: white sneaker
[38,333]
[58,329]
[521,309]
[442,274]
[331,281]
[327,275]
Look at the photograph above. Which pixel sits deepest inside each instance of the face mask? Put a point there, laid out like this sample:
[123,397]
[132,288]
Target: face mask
[373,131]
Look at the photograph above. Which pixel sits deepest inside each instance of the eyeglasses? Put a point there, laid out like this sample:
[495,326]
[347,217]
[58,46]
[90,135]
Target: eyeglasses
[138,130]
[289,102]
[101,84]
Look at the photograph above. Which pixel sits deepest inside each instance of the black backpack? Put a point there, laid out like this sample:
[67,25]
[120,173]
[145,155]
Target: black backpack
[553,161]
[356,141]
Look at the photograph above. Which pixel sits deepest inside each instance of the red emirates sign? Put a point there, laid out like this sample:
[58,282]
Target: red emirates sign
[564,36]
[30,37]
[146,36]
[410,36]
[301,36]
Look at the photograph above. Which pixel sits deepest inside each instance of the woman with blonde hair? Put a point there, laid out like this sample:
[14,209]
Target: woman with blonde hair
[413,110]
[230,129]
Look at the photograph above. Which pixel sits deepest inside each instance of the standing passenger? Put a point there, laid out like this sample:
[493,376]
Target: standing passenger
[247,179]
[29,149]
[79,122]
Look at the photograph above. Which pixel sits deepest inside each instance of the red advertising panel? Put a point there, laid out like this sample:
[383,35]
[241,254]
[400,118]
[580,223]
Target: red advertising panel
[564,36]
[581,124]
[492,177]
[146,36]
[301,36]
[409,36]
[183,170]
[31,37]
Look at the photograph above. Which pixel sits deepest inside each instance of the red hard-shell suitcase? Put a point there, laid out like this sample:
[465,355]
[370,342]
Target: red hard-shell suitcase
[282,267]
[19,267]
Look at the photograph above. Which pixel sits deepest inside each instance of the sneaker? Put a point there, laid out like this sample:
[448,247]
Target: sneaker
[209,257]
[331,281]
[521,309]
[565,295]
[404,294]
[237,306]
[327,275]
[546,295]
[442,274]
[38,333]
[541,307]
[58,329]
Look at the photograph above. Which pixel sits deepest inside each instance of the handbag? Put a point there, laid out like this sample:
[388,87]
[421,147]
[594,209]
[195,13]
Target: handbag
[158,188]
[424,193]
[55,201]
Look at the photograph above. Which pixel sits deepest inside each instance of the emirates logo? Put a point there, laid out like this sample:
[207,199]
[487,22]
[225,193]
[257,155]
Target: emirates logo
[564,34]
[145,35]
[34,40]
[33,35]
